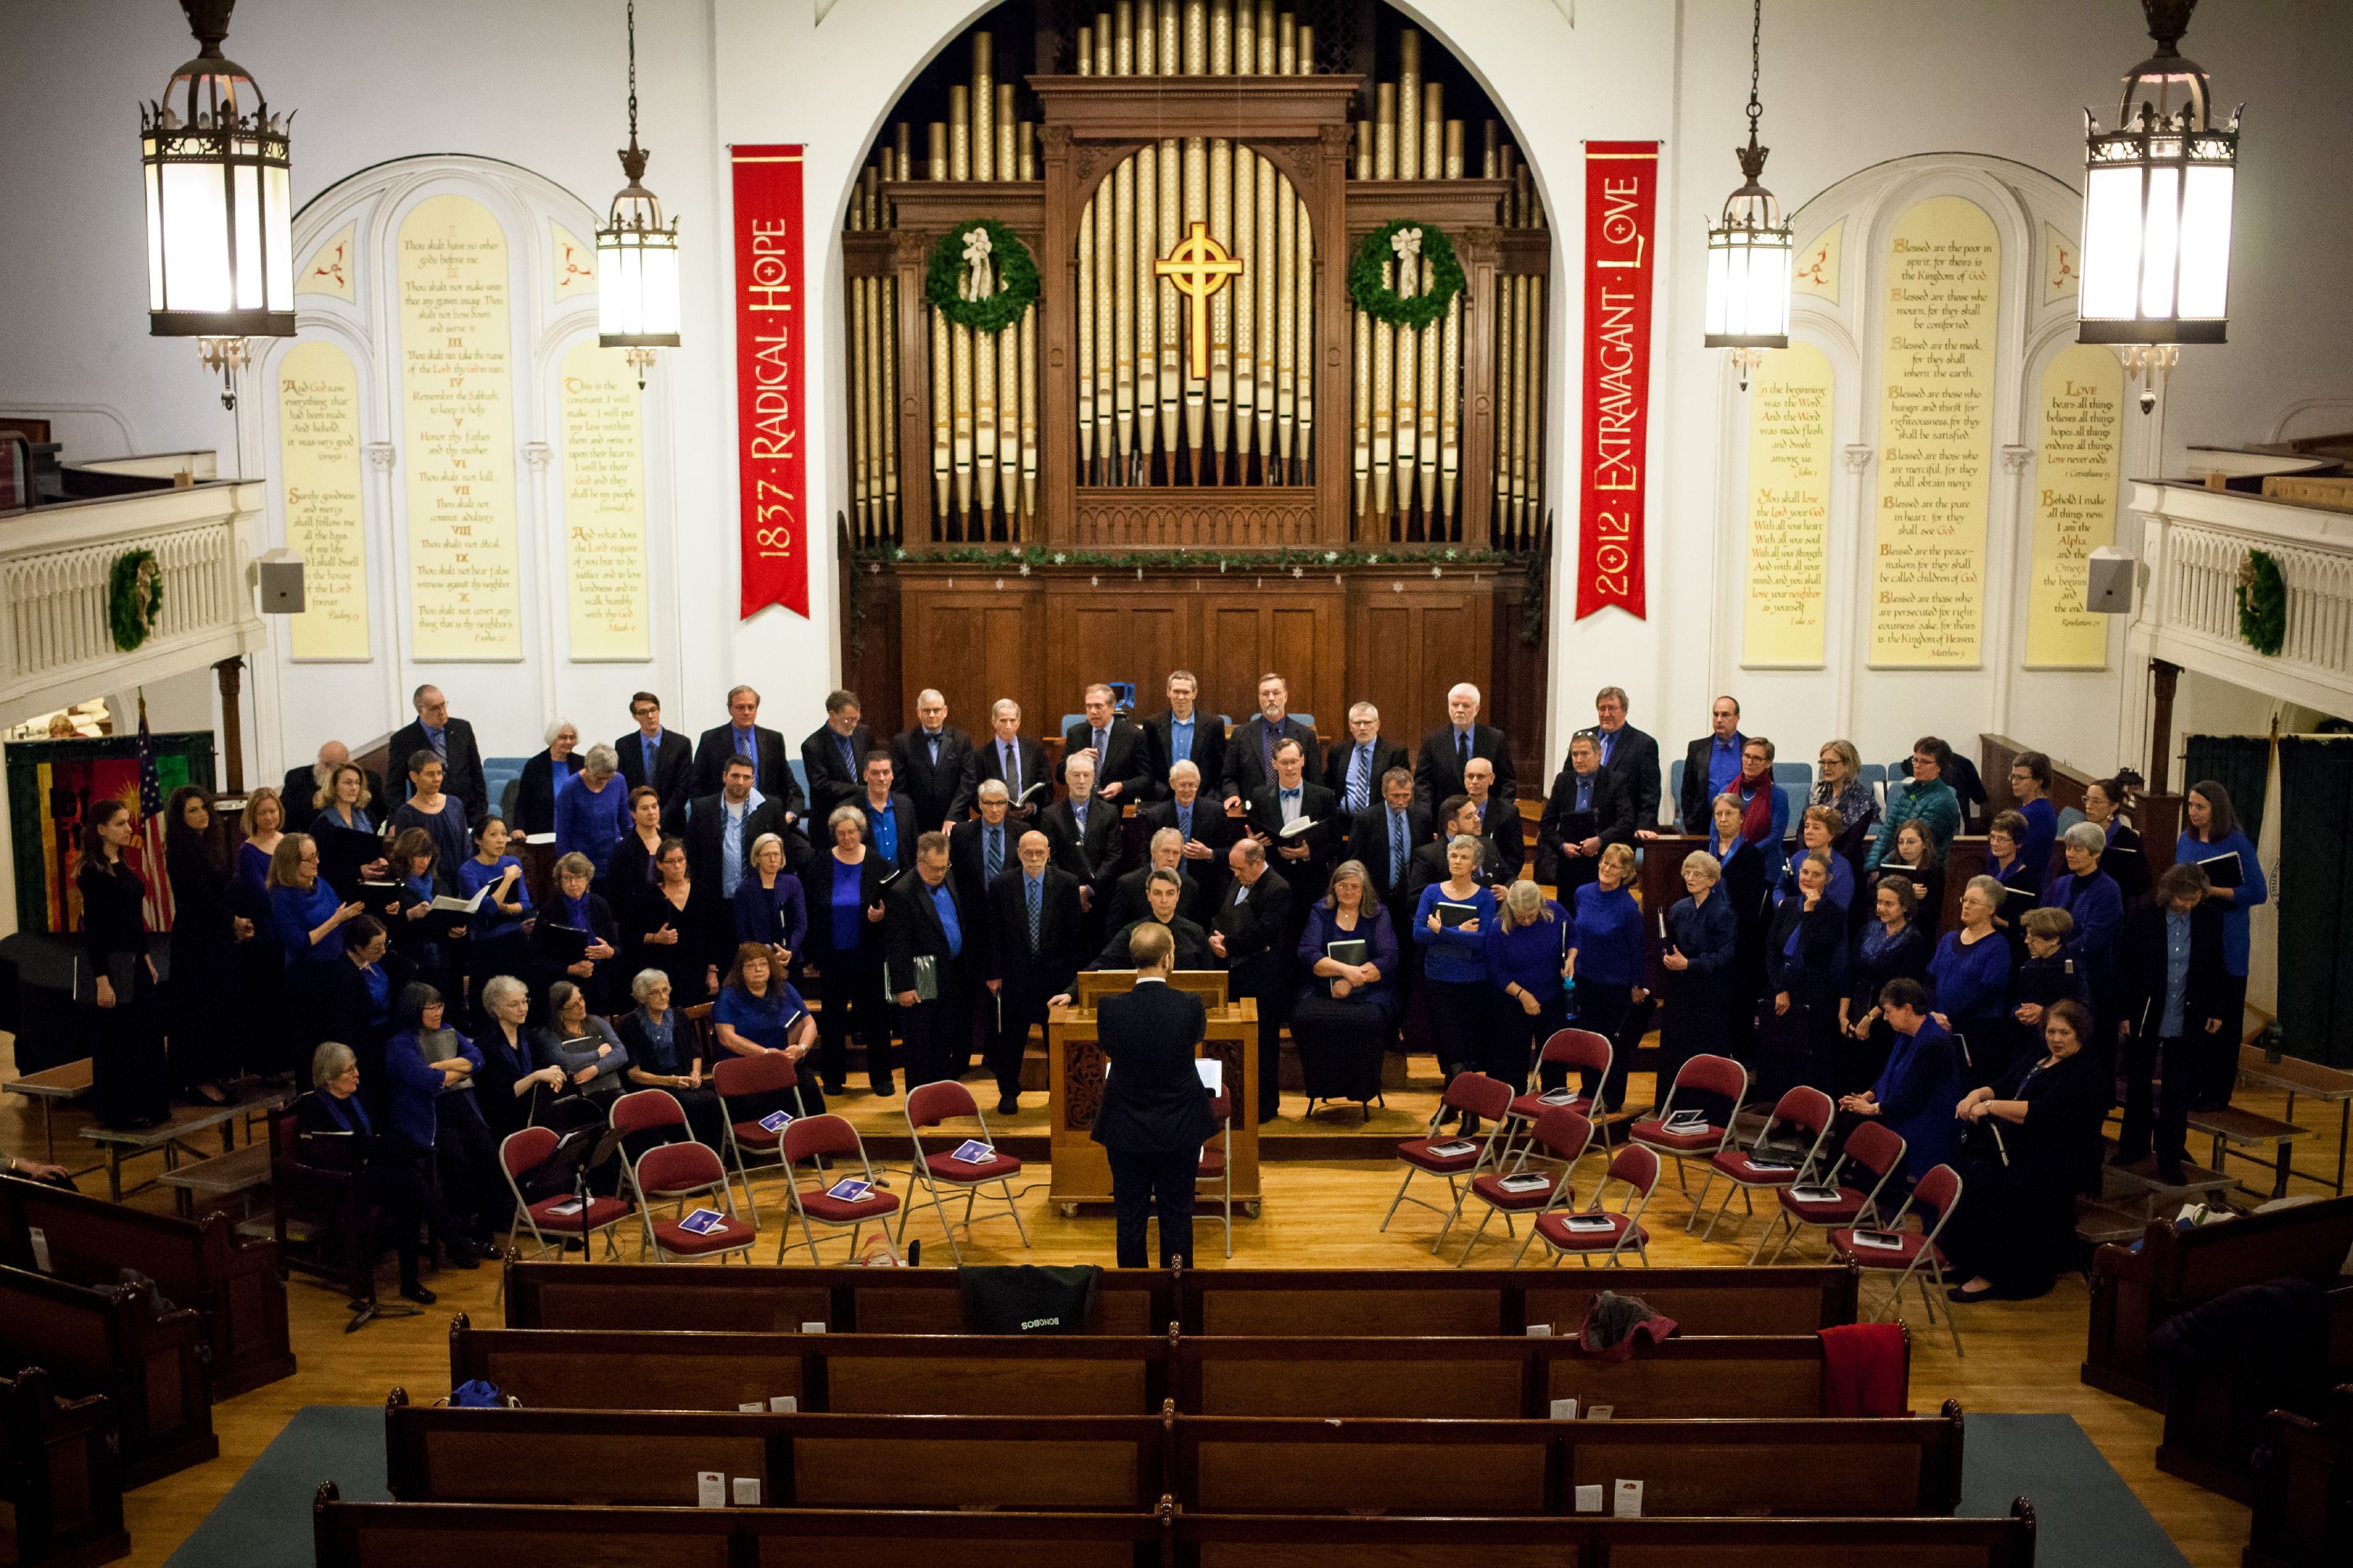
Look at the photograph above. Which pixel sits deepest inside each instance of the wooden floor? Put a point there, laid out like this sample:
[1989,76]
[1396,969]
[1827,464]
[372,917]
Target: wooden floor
[2021,1356]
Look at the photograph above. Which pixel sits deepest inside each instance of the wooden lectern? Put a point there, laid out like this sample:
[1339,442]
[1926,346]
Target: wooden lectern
[1082,1171]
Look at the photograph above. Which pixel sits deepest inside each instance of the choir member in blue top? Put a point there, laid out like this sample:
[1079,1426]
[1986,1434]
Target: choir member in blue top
[771,906]
[843,890]
[1764,809]
[1702,934]
[2021,879]
[1455,957]
[758,1011]
[270,1048]
[1805,980]
[1606,964]
[1347,1008]
[1527,960]
[2096,904]
[662,1057]
[412,870]
[1819,829]
[2214,831]
[1891,946]
[1968,981]
[494,942]
[1917,1091]
[472,1182]
[2127,858]
[592,809]
[1743,889]
[2030,787]
[310,925]
[388,1170]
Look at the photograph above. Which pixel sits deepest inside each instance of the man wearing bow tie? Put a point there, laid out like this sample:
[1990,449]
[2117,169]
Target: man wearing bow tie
[928,761]
[1353,770]
[1304,858]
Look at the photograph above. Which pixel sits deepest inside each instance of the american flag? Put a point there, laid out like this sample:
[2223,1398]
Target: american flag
[158,901]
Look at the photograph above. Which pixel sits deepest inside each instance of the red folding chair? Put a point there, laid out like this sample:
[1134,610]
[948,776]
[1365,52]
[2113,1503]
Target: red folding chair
[1564,1135]
[1937,1193]
[524,1151]
[1805,1108]
[677,1171]
[1704,1141]
[812,1138]
[1215,1167]
[1595,1229]
[929,1106]
[1479,1096]
[1874,1148]
[647,1110]
[737,1080]
[1578,1049]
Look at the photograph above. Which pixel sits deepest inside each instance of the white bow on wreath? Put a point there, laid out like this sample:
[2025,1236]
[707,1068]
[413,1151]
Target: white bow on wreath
[1407,243]
[980,279]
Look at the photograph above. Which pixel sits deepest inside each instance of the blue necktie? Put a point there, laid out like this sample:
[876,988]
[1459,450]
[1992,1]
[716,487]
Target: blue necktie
[1185,822]
[1012,755]
[1360,778]
[646,745]
[1031,883]
[848,761]
[438,737]
[1463,745]
[1397,848]
[933,740]
[994,840]
[1267,736]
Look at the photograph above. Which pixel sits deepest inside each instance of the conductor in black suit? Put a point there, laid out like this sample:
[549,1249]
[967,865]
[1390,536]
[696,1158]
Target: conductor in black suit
[835,755]
[452,740]
[659,759]
[744,736]
[303,784]
[1628,756]
[1034,951]
[929,761]
[922,920]
[1250,750]
[1447,750]
[1008,755]
[1155,1114]
[1184,733]
[1353,770]
[1120,773]
[1252,933]
[1584,815]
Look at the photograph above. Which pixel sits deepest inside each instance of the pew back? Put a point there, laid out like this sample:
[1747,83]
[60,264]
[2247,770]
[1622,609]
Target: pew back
[112,1342]
[61,1480]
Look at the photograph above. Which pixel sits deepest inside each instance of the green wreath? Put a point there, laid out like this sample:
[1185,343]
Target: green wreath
[2263,602]
[1382,302]
[134,598]
[948,277]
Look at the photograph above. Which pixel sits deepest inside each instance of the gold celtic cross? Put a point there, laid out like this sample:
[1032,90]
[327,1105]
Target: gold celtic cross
[1199,268]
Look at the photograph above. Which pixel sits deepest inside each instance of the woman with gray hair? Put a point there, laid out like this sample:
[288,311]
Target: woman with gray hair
[338,1133]
[1450,923]
[544,775]
[1527,959]
[2096,904]
[592,811]
[1347,1005]
[1701,934]
[512,1087]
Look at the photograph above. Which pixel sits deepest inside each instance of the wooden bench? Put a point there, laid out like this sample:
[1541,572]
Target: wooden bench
[239,1174]
[1493,1378]
[199,1263]
[1783,1301]
[598,1458]
[2212,1421]
[2303,1498]
[2133,1292]
[462,1536]
[111,1341]
[2233,1129]
[59,1476]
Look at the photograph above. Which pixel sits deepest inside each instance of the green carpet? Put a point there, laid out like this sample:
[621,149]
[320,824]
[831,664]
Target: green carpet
[2086,1516]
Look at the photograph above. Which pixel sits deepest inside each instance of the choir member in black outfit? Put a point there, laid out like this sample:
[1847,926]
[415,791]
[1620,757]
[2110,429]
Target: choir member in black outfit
[1086,834]
[659,759]
[2015,1234]
[2125,860]
[1122,772]
[1805,979]
[339,1132]
[449,740]
[744,736]
[1162,892]
[261,961]
[1250,749]
[1353,769]
[2173,997]
[1184,733]
[1036,942]
[1743,888]
[204,1005]
[1459,820]
[1628,756]
[835,755]
[1700,946]
[1008,756]
[1305,859]
[411,866]
[2044,976]
[510,1084]
[1252,937]
[1499,822]
[1165,851]
[1586,811]
[1446,752]
[1889,947]
[923,921]
[928,761]
[130,1078]
[678,926]
[535,790]
[1914,858]
[844,897]
[631,869]
[571,907]
[1383,838]
[1200,820]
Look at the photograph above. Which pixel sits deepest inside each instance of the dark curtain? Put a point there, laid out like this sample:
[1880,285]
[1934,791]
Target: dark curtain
[2240,764]
[2315,899]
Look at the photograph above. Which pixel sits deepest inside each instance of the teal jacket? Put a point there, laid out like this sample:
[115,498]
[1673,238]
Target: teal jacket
[1932,804]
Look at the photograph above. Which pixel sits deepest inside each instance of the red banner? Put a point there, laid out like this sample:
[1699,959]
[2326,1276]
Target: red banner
[772,302]
[1622,186]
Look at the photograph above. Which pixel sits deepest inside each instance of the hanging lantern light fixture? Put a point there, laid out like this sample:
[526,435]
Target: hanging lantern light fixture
[2158,192]
[1750,250]
[637,255]
[219,205]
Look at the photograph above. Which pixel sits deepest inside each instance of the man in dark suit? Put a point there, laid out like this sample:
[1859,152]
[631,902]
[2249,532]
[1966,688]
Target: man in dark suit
[891,824]
[1711,764]
[1630,756]
[1429,860]
[928,761]
[1584,813]
[1250,750]
[1205,830]
[1006,755]
[2175,992]
[1252,932]
[835,755]
[1499,822]
[303,784]
[980,849]
[1120,773]
[923,920]
[1353,770]
[1184,733]
[1155,1113]
[1165,851]
[1304,859]
[743,736]
[657,758]
[1086,834]
[452,740]
[1034,950]
[1383,836]
[1449,748]
[720,829]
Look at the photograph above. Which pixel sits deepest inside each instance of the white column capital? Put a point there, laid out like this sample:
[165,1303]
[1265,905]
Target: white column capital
[380,456]
[1858,458]
[2014,460]
[537,455]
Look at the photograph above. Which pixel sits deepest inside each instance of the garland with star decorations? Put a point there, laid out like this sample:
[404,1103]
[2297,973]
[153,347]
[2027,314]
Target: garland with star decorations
[981,276]
[1402,239]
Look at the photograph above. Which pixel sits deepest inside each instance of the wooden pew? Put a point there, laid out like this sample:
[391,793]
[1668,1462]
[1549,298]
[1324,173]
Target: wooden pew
[2303,1498]
[2133,1292]
[110,1340]
[60,1478]
[462,1536]
[2212,1421]
[602,1458]
[198,1263]
[1783,1301]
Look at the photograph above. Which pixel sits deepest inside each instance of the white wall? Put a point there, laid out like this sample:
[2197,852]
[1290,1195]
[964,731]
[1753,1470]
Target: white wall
[1848,83]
